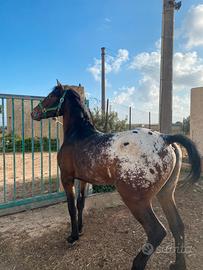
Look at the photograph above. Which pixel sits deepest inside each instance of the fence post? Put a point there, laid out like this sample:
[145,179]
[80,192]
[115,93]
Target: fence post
[4,149]
[14,149]
[130,117]
[149,120]
[23,144]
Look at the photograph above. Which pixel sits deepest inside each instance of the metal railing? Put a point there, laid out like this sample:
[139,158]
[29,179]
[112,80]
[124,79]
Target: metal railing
[29,174]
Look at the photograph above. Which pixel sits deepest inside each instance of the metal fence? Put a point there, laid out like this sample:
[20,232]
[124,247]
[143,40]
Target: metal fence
[29,175]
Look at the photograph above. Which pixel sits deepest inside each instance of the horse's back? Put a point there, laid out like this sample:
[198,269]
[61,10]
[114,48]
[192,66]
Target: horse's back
[139,158]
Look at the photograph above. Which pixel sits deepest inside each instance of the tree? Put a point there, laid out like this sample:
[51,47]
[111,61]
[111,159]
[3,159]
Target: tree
[113,122]
[186,125]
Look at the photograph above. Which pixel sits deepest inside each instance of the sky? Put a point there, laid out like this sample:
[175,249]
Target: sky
[43,40]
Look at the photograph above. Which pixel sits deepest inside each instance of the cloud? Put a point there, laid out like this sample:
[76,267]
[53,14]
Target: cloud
[181,105]
[147,64]
[188,70]
[108,20]
[112,64]
[144,95]
[192,27]
[125,96]
[122,57]
[128,96]
[95,70]
[188,73]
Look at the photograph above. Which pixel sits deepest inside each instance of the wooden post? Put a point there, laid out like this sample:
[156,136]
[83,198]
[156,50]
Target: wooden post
[149,120]
[130,117]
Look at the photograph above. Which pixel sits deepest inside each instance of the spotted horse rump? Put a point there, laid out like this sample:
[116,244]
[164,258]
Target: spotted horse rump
[142,157]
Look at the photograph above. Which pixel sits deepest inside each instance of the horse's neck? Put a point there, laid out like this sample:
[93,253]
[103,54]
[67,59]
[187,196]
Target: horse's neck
[76,128]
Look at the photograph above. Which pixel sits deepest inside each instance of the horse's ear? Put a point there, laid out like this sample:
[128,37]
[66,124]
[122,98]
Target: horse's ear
[59,84]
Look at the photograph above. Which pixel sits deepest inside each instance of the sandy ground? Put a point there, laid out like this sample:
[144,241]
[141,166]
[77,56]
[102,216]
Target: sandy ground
[37,239]
[28,173]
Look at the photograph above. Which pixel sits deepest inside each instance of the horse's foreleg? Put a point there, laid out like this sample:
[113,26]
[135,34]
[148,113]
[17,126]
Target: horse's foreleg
[81,204]
[70,194]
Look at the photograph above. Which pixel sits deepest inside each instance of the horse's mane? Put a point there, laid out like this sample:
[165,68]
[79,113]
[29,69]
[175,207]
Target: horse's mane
[78,109]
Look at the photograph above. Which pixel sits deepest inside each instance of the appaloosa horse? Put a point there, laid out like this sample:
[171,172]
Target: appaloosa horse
[141,164]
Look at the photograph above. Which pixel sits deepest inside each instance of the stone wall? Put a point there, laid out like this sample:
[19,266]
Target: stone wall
[28,120]
[196,118]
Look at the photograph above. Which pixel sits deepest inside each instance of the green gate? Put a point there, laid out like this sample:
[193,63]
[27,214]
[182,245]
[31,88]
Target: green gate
[29,175]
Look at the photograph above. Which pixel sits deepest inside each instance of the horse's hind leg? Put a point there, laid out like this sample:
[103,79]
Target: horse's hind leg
[81,204]
[143,212]
[155,234]
[167,201]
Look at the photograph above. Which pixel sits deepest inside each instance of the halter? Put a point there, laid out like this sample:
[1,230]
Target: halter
[55,108]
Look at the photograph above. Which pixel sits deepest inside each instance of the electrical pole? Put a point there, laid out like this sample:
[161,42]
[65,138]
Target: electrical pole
[103,90]
[166,76]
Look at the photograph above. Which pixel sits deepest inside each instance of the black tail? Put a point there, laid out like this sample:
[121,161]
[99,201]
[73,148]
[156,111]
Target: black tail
[193,154]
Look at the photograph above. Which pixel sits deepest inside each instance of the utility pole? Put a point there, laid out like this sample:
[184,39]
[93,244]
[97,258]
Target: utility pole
[103,90]
[166,76]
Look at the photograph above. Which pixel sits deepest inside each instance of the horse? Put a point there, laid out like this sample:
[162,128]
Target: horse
[141,163]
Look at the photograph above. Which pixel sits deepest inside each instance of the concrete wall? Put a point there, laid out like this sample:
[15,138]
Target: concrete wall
[196,117]
[27,118]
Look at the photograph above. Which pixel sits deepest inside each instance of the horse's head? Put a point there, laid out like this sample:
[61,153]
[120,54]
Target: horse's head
[50,106]
[63,100]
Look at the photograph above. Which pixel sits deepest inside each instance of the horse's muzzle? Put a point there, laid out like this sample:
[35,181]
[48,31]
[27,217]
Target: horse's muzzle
[36,115]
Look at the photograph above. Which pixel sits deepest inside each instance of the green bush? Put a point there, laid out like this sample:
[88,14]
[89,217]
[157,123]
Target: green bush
[28,144]
[111,124]
[104,188]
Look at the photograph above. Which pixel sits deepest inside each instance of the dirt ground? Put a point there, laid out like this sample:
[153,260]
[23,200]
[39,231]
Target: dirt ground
[37,239]
[27,188]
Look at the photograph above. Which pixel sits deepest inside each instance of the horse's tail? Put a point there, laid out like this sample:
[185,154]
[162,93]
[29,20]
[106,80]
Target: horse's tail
[193,155]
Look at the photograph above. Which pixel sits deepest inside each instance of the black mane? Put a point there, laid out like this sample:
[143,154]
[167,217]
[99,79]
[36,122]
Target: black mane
[82,125]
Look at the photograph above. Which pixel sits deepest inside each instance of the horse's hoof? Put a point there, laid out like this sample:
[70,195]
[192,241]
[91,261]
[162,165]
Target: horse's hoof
[175,266]
[72,239]
[172,266]
[81,232]
[136,268]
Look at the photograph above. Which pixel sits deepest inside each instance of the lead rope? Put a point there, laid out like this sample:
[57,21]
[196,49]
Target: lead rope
[56,118]
[57,121]
[91,116]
